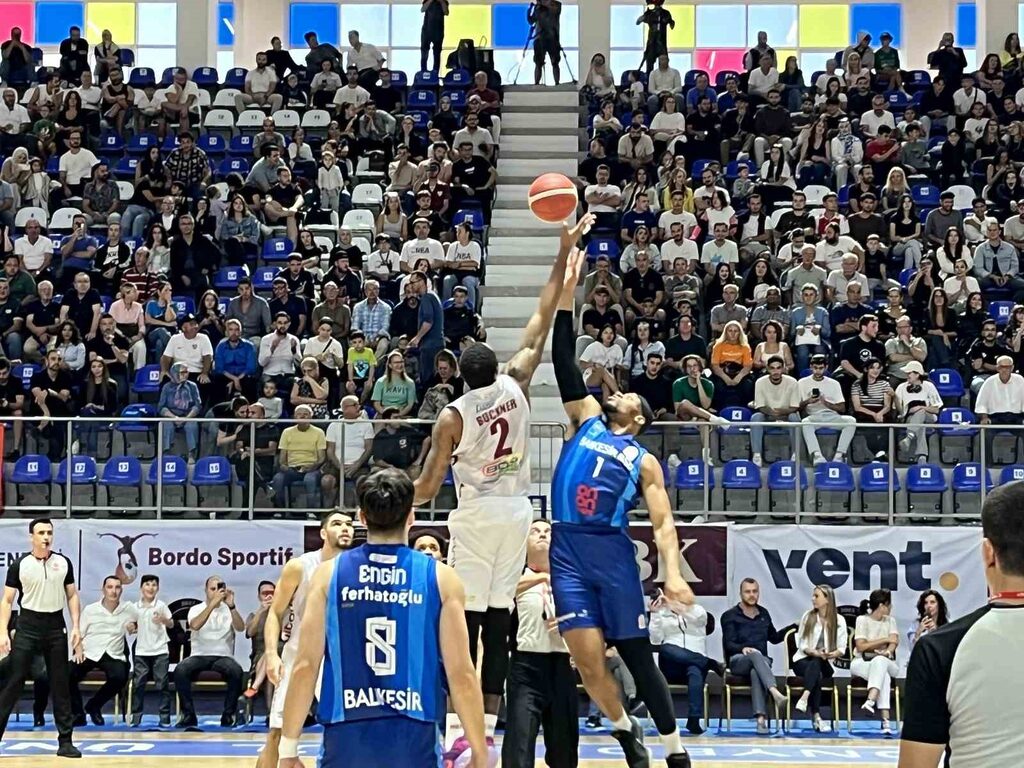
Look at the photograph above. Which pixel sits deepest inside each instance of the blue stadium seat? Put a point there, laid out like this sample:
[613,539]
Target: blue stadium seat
[212,144]
[263,278]
[168,76]
[690,78]
[724,75]
[925,195]
[111,144]
[183,305]
[603,246]
[277,249]
[690,475]
[83,472]
[123,472]
[474,216]
[955,432]
[926,480]
[125,57]
[461,79]
[732,170]
[240,146]
[147,380]
[399,79]
[917,80]
[175,471]
[457,99]
[966,477]
[947,381]
[1011,473]
[170,143]
[141,143]
[741,475]
[212,472]
[874,482]
[233,165]
[141,77]
[235,78]
[897,101]
[426,79]
[125,168]
[420,119]
[126,427]
[1000,311]
[423,100]
[33,470]
[25,372]
[227,278]
[906,275]
[833,479]
[782,476]
[735,413]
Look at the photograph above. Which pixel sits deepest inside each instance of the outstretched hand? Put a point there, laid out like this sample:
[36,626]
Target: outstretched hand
[572,234]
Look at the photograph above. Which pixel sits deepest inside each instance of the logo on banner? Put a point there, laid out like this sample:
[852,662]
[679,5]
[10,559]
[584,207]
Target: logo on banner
[702,558]
[835,568]
[127,569]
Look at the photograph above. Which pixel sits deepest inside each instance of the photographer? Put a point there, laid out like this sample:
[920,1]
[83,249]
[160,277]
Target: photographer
[545,17]
[917,402]
[432,34]
[658,21]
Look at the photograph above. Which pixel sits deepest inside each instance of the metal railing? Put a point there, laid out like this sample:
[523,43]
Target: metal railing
[700,492]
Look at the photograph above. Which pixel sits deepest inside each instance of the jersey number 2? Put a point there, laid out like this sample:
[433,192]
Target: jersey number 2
[381,636]
[500,428]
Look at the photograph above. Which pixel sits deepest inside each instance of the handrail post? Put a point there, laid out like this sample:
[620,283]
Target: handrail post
[252,470]
[69,465]
[890,437]
[159,489]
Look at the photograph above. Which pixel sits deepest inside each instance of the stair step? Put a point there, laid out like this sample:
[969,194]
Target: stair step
[541,258]
[539,154]
[539,117]
[515,246]
[535,167]
[567,144]
[506,342]
[520,275]
[530,232]
[535,130]
[527,88]
[520,219]
[546,98]
[512,307]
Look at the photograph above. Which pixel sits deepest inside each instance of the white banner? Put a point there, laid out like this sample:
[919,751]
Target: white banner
[182,553]
[789,560]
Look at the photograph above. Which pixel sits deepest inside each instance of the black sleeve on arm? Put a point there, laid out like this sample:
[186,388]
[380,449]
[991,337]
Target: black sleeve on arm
[69,578]
[563,355]
[14,575]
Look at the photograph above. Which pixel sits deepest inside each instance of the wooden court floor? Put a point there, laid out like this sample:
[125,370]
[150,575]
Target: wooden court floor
[220,750]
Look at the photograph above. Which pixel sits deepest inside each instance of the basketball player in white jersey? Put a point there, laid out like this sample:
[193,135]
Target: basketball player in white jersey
[284,618]
[484,437]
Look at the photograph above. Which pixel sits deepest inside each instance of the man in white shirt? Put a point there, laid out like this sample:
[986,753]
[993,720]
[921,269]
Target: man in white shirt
[75,165]
[678,247]
[103,625]
[976,223]
[1001,400]
[366,58]
[603,199]
[720,250]
[349,445]
[190,347]
[839,280]
[150,656]
[829,251]
[776,398]
[762,79]
[14,120]
[260,87]
[279,353]
[179,102]
[91,95]
[1013,229]
[422,246]
[878,116]
[662,81]
[675,214]
[34,249]
[350,93]
[968,93]
[480,138]
[822,404]
[213,625]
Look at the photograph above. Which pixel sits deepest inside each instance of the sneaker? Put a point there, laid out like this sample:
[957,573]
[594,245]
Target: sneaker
[762,728]
[817,458]
[693,726]
[227,721]
[165,721]
[868,706]
[74,447]
[632,743]
[594,721]
[756,459]
[922,459]
[67,749]
[678,761]
[906,444]
[801,705]
[778,696]
[882,456]
[673,462]
[719,421]
[822,727]
[840,457]
[887,728]
[706,455]
[189,721]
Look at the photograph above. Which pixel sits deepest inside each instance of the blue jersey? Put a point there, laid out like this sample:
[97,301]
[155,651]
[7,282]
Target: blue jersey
[596,480]
[382,655]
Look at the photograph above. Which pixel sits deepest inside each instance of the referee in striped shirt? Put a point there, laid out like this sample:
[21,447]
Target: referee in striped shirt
[46,583]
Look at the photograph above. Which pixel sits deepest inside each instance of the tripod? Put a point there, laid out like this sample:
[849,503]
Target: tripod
[531,37]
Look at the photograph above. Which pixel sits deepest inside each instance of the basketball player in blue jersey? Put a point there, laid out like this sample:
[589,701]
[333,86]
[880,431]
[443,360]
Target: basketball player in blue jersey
[387,625]
[600,476]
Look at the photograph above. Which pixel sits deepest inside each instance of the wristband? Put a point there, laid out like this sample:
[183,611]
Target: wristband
[287,748]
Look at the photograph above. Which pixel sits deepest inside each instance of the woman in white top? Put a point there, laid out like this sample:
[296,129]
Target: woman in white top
[874,652]
[961,285]
[641,243]
[636,353]
[669,125]
[821,637]
[953,248]
[918,403]
[600,78]
[462,265]
[599,361]
[680,634]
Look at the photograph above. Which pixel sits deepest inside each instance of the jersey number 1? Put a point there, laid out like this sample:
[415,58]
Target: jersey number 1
[500,428]
[381,636]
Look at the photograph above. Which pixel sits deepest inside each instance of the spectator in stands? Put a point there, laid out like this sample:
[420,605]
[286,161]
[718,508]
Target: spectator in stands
[996,262]
[731,364]
[655,387]
[349,446]
[872,403]
[822,404]
[1000,401]
[775,399]
[917,402]
[35,250]
[855,352]
[303,449]
[821,638]
[112,347]
[17,58]
[600,313]
[811,326]
[333,310]
[259,89]
[311,388]
[636,148]
[180,403]
[395,390]
[279,353]
[984,353]
[319,52]
[74,56]
[941,219]
[83,306]
[190,347]
[462,264]
[429,338]
[269,136]
[213,624]
[234,363]
[286,203]
[264,172]
[902,349]
[160,318]
[77,251]
[603,199]
[365,58]
[462,326]
[348,281]
[473,178]
[325,85]
[103,626]
[100,196]
[639,285]
[252,311]
[932,613]
[729,311]
[773,345]
[600,359]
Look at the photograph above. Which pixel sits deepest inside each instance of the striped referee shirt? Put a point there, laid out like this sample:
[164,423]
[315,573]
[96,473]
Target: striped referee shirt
[41,583]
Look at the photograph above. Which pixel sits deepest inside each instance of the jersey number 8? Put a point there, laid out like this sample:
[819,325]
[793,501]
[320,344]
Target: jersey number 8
[380,639]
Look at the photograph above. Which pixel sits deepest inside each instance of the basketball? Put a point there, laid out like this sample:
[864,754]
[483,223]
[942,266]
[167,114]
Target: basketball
[552,198]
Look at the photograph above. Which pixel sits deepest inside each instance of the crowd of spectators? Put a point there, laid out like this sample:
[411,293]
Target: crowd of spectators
[809,246]
[333,271]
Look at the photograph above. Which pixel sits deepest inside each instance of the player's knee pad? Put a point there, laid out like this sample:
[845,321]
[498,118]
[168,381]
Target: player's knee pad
[497,623]
[638,656]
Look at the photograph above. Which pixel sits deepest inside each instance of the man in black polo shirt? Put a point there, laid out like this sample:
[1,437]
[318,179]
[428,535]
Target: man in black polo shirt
[640,284]
[300,281]
[111,346]
[83,306]
[41,320]
[51,397]
[45,581]
[473,178]
[686,342]
[655,388]
[284,203]
[854,353]
[12,402]
[601,314]
[293,306]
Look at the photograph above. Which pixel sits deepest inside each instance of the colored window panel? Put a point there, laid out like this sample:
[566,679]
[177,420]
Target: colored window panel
[405,60]
[225,26]
[779,21]
[466,21]
[715,61]
[966,25]
[54,19]
[570,26]
[156,58]
[813,61]
[824,26]
[721,26]
[971,54]
[876,18]
[119,18]
[625,33]
[225,60]
[371,21]
[19,15]
[406,23]
[158,24]
[783,53]
[321,18]
[510,25]
[683,35]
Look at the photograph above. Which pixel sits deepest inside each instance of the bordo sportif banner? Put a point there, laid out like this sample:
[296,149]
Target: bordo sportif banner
[788,561]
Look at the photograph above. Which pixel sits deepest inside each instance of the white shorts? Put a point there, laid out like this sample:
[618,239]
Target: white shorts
[276,720]
[488,549]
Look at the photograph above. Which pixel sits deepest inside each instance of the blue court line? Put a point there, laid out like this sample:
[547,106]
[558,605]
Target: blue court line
[729,752]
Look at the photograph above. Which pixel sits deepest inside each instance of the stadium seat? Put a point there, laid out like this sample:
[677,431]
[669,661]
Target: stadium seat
[742,478]
[948,382]
[251,120]
[167,77]
[458,78]
[125,426]
[422,100]
[966,481]
[474,216]
[955,434]
[874,481]
[24,372]
[734,441]
[816,194]
[276,249]
[833,481]
[426,79]
[125,192]
[928,480]
[183,305]
[263,278]
[225,99]
[231,165]
[368,196]
[147,380]
[725,74]
[126,57]
[457,99]
[925,195]
[963,195]
[123,472]
[212,472]
[1011,474]
[205,77]
[125,168]
[360,221]
[235,78]
[141,143]
[316,120]
[226,278]
[142,77]
[286,120]
[1000,312]
[111,144]
[170,473]
[83,473]
[219,120]
[21,218]
[240,146]
[32,470]
[782,480]
[690,78]
[399,80]
[212,144]
[63,219]
[603,246]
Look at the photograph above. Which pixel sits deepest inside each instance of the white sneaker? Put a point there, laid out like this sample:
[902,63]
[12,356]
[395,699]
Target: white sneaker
[822,727]
[673,463]
[801,705]
[719,420]
[868,706]
[74,447]
[817,458]
[706,455]
[839,457]
[756,459]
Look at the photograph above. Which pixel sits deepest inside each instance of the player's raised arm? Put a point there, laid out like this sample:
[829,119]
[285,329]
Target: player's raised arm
[525,361]
[443,440]
[576,399]
[652,482]
[284,591]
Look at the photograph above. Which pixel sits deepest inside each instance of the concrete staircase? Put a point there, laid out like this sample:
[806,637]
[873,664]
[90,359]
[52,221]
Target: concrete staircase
[539,134]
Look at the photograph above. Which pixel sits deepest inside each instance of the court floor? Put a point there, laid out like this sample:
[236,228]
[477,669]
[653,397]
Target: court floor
[121,749]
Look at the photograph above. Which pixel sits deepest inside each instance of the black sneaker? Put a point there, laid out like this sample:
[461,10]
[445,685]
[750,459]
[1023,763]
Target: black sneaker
[594,721]
[165,721]
[96,717]
[79,721]
[189,721]
[38,720]
[227,721]
[67,749]
[632,743]
[693,726]
[678,761]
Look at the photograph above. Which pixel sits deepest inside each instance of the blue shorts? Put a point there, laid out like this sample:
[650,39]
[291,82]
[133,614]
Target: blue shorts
[383,742]
[596,583]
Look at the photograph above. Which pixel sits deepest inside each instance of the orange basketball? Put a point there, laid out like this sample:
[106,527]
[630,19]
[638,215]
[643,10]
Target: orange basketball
[552,198]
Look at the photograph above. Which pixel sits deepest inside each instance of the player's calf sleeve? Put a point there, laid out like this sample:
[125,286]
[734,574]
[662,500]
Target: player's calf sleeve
[494,670]
[651,687]
[474,622]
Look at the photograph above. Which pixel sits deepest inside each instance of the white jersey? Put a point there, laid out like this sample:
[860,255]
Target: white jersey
[293,619]
[493,455]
